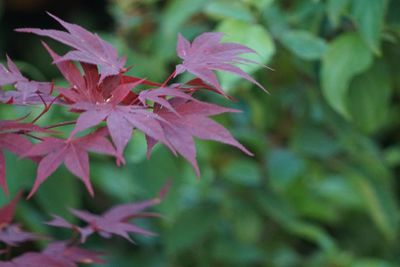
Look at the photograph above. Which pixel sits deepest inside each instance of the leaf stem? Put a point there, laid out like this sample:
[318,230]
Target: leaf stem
[168,79]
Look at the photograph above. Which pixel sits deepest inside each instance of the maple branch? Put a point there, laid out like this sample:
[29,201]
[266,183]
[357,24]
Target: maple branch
[32,136]
[46,108]
[60,124]
[168,79]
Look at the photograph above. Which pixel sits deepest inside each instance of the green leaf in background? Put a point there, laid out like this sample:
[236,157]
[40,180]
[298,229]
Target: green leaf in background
[346,57]
[369,16]
[311,140]
[19,176]
[369,98]
[226,9]
[243,172]
[283,167]
[189,228]
[335,9]
[280,211]
[59,193]
[259,4]
[253,35]
[304,44]
[377,198]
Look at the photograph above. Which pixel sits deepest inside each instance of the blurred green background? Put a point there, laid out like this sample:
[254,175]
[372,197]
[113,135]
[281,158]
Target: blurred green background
[322,189]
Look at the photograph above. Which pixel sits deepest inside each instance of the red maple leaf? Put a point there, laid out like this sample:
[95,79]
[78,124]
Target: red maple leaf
[13,235]
[89,47]
[56,254]
[115,221]
[73,152]
[12,139]
[191,120]
[206,54]
[27,92]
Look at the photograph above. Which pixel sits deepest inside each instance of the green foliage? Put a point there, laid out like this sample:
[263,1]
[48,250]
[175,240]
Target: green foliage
[322,189]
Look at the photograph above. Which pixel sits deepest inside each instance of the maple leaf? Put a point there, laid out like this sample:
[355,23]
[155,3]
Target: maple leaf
[74,254]
[56,254]
[27,92]
[206,54]
[88,87]
[13,235]
[158,96]
[89,47]
[73,152]
[121,120]
[115,221]
[191,121]
[14,142]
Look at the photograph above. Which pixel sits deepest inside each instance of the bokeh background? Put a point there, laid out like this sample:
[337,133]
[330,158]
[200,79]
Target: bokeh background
[322,189]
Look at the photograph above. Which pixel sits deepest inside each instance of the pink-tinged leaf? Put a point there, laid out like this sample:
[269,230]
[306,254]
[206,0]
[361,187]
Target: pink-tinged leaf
[192,121]
[120,122]
[132,79]
[90,118]
[47,166]
[90,48]
[205,128]
[13,235]
[58,221]
[77,162]
[115,221]
[73,253]
[120,130]
[122,91]
[71,152]
[27,92]
[7,212]
[68,69]
[207,54]
[159,96]
[35,259]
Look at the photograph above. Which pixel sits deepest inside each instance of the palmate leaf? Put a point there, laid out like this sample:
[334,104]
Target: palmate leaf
[206,54]
[89,47]
[72,152]
[56,254]
[115,221]
[191,119]
[11,139]
[120,121]
[13,235]
[27,92]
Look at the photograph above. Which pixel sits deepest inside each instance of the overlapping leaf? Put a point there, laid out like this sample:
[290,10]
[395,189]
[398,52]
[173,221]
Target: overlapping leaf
[115,221]
[72,152]
[13,140]
[27,92]
[89,47]
[206,54]
[191,119]
[57,254]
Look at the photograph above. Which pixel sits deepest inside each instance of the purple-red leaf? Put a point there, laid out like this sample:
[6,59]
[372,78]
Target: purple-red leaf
[13,235]
[192,121]
[115,221]
[206,54]
[90,48]
[74,154]
[120,122]
[27,92]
